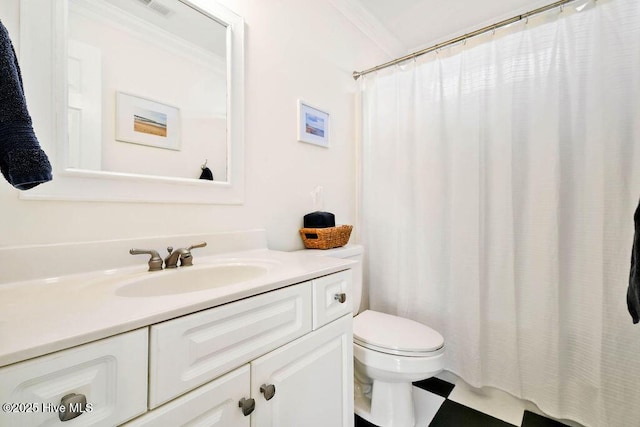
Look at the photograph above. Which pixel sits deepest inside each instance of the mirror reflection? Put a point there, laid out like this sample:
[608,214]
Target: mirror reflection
[147,89]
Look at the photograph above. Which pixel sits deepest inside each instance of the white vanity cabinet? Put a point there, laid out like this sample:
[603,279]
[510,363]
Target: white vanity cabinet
[111,374]
[282,358]
[307,382]
[295,375]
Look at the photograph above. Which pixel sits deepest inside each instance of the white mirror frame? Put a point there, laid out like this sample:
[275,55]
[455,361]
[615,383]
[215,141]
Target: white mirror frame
[43,53]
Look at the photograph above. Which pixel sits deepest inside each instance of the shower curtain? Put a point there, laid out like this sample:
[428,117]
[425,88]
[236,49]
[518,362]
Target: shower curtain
[499,181]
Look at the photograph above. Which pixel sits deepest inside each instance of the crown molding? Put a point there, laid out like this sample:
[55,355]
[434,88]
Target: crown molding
[370,26]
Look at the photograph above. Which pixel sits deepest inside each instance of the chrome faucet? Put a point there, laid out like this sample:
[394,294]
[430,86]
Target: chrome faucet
[155,262]
[182,254]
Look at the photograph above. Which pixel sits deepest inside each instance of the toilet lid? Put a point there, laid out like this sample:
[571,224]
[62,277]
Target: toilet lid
[394,335]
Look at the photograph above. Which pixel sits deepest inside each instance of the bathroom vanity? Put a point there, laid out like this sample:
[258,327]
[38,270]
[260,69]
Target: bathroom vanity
[273,348]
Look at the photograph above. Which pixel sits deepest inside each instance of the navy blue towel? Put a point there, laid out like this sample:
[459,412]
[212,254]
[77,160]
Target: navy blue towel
[22,161]
[633,292]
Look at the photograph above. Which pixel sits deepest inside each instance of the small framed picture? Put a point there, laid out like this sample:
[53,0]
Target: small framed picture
[146,122]
[313,125]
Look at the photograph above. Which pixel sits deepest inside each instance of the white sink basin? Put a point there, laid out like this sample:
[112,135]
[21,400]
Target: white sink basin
[190,279]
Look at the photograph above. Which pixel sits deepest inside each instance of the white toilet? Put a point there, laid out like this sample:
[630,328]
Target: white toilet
[390,353]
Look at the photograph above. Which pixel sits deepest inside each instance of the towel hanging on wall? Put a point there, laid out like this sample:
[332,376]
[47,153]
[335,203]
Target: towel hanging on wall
[633,292]
[22,161]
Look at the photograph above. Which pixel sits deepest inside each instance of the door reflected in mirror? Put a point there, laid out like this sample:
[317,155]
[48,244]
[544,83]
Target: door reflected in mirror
[147,89]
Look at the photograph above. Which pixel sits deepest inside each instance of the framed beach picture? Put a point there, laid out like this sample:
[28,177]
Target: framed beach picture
[313,125]
[146,122]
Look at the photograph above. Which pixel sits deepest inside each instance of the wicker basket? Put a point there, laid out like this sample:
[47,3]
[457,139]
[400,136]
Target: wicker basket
[325,238]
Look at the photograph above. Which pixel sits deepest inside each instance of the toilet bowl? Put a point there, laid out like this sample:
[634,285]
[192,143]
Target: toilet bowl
[390,352]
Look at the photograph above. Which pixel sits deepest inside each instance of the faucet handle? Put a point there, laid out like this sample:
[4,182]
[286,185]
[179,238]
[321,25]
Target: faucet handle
[187,259]
[197,245]
[155,262]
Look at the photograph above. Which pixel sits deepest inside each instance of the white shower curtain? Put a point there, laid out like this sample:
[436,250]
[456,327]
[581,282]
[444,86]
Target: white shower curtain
[499,181]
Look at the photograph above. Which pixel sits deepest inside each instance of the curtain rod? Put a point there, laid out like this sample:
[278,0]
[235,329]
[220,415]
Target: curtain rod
[493,27]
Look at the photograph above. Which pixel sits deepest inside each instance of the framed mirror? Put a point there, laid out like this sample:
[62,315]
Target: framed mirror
[142,96]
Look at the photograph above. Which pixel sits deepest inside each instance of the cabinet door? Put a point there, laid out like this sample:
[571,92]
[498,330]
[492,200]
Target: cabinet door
[213,405]
[110,373]
[313,380]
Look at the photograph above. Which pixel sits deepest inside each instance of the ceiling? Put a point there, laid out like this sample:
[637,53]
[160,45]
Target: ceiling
[180,19]
[403,26]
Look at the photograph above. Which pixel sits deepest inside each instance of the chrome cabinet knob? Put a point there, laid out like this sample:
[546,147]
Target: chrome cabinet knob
[72,406]
[268,390]
[247,406]
[341,298]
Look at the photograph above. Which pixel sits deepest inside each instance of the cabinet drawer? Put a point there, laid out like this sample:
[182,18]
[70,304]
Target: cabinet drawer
[111,373]
[327,292]
[192,350]
[214,404]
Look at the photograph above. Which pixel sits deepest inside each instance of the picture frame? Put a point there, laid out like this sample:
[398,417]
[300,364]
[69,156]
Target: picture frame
[147,122]
[313,125]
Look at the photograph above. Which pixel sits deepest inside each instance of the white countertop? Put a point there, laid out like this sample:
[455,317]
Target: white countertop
[46,315]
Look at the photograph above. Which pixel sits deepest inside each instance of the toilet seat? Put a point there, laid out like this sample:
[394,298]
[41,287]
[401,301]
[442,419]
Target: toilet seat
[395,335]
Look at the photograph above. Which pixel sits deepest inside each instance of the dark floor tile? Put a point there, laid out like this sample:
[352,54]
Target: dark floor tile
[453,414]
[532,419]
[435,385]
[361,422]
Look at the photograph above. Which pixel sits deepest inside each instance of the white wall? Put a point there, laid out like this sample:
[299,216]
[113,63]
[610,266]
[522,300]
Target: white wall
[281,172]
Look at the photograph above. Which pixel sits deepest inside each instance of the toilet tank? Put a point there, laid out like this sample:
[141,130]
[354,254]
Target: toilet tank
[354,253]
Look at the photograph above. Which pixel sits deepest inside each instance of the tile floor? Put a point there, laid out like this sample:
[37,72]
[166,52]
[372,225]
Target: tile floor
[440,403]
